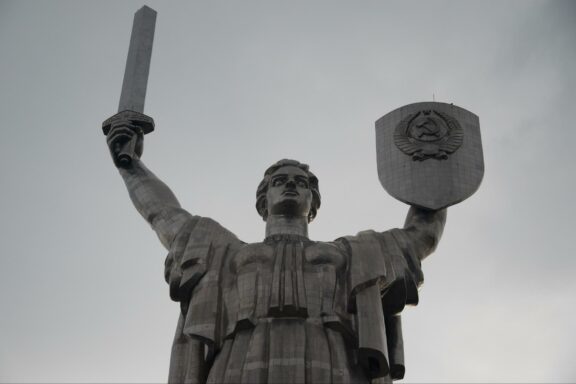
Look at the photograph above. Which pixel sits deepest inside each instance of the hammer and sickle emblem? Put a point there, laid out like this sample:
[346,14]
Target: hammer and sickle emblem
[428,134]
[426,130]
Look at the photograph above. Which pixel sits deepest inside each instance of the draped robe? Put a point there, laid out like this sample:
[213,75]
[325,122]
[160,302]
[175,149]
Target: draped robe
[289,309]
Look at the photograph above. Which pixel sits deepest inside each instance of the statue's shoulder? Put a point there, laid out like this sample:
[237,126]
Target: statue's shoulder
[253,251]
[201,246]
[372,255]
[206,230]
[367,237]
[335,245]
[363,236]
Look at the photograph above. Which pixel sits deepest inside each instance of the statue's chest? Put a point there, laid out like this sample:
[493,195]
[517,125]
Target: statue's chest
[291,255]
[289,278]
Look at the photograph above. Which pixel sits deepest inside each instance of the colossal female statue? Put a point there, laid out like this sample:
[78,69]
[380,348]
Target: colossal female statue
[287,309]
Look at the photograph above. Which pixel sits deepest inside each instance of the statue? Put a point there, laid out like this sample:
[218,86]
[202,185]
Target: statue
[287,309]
[290,309]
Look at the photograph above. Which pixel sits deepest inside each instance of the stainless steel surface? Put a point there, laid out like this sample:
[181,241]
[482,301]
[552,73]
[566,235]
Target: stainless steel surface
[138,61]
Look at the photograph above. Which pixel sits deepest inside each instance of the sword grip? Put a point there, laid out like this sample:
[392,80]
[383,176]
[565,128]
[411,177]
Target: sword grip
[126,153]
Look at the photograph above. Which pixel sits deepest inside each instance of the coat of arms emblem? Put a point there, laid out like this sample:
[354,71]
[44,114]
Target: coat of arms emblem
[429,154]
[428,134]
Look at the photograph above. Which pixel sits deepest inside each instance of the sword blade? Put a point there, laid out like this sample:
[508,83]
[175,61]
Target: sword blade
[138,61]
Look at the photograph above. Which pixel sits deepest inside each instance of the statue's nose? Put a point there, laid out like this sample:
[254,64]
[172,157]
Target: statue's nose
[290,184]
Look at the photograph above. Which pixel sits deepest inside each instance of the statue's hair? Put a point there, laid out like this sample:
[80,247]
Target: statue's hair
[261,206]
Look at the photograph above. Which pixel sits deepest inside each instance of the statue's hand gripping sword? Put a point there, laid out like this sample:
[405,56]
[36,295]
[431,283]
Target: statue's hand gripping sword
[131,106]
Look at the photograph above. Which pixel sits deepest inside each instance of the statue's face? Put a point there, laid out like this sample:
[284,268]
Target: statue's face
[289,192]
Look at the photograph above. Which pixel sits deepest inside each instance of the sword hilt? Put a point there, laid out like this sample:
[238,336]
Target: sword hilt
[126,151]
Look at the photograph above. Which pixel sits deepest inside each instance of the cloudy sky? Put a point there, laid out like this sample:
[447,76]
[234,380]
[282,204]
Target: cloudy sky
[235,86]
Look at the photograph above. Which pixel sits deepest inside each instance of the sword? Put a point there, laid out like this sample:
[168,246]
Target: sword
[131,106]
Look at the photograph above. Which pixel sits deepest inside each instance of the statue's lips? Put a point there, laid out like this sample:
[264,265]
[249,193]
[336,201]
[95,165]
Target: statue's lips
[290,193]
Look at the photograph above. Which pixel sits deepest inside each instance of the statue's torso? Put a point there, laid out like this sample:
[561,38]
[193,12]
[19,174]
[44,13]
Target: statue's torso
[288,309]
[288,278]
[290,299]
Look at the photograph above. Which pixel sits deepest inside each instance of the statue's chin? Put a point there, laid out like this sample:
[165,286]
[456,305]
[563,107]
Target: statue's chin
[289,207]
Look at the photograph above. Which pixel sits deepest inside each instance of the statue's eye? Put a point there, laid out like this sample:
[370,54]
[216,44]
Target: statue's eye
[302,183]
[278,181]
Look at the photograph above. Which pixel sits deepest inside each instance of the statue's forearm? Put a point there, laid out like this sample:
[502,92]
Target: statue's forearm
[154,201]
[425,227]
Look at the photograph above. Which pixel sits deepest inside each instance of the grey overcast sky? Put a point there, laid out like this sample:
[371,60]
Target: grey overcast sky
[235,86]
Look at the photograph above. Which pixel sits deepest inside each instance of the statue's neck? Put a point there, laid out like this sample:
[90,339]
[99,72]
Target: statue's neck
[286,225]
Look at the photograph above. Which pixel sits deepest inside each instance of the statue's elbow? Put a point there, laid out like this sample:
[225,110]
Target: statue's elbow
[426,240]
[431,241]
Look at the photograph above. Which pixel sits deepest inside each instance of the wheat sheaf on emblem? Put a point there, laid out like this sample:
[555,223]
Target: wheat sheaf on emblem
[428,134]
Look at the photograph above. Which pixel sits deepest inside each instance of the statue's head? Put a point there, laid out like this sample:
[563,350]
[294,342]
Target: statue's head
[288,189]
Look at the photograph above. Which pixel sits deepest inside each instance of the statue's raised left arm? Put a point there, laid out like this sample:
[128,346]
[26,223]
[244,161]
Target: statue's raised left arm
[424,227]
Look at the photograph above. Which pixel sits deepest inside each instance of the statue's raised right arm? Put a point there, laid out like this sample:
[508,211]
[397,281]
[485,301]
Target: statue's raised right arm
[151,197]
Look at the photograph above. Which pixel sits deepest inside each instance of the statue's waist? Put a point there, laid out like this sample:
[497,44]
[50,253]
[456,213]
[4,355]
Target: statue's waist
[341,323]
[300,294]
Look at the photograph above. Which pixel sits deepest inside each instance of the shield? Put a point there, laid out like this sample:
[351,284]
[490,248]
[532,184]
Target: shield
[429,154]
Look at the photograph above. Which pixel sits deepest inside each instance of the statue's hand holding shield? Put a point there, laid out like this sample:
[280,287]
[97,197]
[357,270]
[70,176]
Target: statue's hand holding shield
[429,154]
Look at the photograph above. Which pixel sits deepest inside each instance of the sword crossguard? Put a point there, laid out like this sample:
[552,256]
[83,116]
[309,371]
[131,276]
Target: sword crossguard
[146,123]
[127,151]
